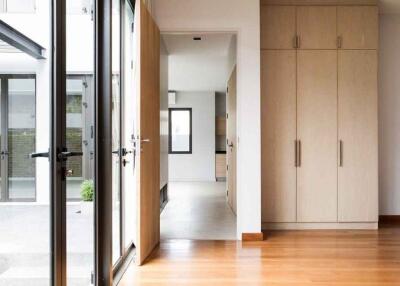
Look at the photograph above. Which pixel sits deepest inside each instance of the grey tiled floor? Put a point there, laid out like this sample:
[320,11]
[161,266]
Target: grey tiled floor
[198,210]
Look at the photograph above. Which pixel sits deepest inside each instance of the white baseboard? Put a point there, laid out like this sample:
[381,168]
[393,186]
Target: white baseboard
[319,225]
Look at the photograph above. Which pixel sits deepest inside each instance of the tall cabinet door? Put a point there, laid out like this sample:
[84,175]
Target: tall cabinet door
[316,27]
[317,135]
[278,27]
[278,111]
[358,135]
[358,27]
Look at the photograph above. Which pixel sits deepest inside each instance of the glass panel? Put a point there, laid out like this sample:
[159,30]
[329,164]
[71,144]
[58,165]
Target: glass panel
[129,172]
[116,136]
[21,139]
[79,138]
[21,6]
[180,130]
[25,124]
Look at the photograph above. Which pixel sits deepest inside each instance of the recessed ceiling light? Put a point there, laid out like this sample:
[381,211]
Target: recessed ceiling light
[196,38]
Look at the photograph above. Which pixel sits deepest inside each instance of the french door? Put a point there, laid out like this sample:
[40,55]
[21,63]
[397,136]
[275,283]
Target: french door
[124,126]
[18,138]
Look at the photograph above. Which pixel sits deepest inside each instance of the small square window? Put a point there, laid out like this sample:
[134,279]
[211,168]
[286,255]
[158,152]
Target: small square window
[21,6]
[180,131]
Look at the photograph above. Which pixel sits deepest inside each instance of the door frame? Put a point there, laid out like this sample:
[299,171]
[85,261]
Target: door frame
[4,136]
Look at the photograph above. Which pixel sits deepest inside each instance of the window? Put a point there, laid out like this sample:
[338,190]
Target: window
[180,131]
[18,6]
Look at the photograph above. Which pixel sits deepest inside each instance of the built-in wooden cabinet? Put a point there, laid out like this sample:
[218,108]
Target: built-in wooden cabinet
[319,116]
[278,112]
[358,27]
[278,27]
[317,135]
[316,27]
[358,136]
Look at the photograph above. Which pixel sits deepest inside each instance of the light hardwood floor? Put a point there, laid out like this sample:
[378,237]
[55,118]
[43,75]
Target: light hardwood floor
[284,258]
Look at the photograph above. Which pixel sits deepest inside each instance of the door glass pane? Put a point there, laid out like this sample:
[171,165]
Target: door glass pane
[116,136]
[21,135]
[25,246]
[129,107]
[180,130]
[79,139]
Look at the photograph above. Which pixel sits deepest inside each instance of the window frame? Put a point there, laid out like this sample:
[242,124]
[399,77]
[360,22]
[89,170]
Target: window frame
[170,110]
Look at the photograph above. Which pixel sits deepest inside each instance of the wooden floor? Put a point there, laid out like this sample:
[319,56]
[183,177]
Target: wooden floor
[284,258]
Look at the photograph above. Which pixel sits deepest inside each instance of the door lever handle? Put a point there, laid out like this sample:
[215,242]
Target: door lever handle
[38,155]
[145,140]
[66,154]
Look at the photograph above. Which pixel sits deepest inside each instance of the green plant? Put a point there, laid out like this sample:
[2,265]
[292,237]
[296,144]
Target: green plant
[87,190]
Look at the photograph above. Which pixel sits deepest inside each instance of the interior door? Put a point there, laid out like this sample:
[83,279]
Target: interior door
[358,136]
[317,136]
[148,163]
[231,140]
[278,135]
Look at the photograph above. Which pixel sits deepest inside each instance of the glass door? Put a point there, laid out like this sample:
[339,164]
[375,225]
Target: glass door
[124,126]
[79,120]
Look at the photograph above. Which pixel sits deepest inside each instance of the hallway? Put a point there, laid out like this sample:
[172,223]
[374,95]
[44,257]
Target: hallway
[198,210]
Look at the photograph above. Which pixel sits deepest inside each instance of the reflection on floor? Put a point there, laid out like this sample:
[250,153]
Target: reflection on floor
[198,210]
[285,258]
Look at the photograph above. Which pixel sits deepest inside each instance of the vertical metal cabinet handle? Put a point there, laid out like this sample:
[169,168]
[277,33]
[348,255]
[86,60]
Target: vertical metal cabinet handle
[299,154]
[298,41]
[339,42]
[295,153]
[340,153]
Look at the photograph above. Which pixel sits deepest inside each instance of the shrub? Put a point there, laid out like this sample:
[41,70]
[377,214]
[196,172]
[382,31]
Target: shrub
[87,190]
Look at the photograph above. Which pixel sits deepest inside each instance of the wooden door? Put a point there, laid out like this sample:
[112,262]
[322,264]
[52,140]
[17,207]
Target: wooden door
[231,140]
[278,135]
[317,135]
[316,27]
[278,27]
[358,27]
[148,233]
[358,133]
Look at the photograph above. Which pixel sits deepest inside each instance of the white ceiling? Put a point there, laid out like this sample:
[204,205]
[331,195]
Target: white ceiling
[198,65]
[389,6]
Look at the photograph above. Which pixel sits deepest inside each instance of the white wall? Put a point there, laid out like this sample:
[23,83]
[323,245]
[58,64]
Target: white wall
[243,18]
[200,165]
[389,115]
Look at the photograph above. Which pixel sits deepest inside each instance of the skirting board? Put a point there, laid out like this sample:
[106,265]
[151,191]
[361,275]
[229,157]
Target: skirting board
[258,236]
[321,226]
[389,218]
[319,2]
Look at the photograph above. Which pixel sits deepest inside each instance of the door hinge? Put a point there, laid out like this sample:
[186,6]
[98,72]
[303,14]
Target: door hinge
[133,27]
[227,90]
[227,116]
[227,167]
[227,192]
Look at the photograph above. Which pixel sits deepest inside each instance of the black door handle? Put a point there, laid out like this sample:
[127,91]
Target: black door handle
[39,155]
[66,154]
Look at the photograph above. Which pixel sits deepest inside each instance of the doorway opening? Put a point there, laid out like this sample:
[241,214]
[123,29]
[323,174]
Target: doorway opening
[198,136]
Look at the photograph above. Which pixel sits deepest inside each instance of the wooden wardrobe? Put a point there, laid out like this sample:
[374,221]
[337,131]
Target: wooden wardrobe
[319,76]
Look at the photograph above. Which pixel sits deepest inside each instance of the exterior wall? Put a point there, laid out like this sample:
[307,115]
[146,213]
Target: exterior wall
[389,115]
[200,165]
[243,18]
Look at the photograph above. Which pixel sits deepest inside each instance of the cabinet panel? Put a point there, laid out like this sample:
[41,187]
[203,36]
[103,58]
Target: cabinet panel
[316,27]
[278,27]
[278,111]
[358,27]
[358,130]
[317,132]
[220,165]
